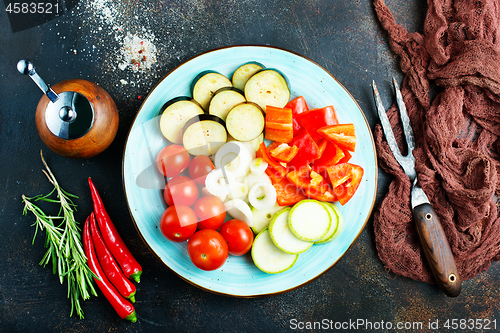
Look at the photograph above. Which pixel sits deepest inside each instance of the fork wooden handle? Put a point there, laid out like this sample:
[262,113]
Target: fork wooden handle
[437,249]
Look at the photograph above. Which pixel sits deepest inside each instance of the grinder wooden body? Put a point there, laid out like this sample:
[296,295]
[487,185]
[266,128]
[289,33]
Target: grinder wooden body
[101,133]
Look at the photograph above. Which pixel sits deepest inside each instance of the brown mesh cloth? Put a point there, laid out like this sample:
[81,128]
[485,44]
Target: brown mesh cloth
[457,136]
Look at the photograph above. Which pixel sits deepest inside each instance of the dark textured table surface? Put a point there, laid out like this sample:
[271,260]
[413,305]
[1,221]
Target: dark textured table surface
[85,42]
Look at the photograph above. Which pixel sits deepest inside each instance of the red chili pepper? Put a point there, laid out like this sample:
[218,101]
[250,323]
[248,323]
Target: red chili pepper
[124,308]
[114,242]
[113,272]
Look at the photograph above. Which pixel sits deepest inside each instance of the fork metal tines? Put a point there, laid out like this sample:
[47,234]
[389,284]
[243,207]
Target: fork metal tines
[407,162]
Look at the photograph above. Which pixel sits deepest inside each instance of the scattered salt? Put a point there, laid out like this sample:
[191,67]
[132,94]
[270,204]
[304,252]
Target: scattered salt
[137,52]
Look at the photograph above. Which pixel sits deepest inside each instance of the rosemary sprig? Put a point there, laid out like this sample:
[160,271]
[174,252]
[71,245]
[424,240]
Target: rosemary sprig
[63,240]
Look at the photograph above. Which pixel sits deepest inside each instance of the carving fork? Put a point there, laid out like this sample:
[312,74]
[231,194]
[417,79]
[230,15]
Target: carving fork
[432,237]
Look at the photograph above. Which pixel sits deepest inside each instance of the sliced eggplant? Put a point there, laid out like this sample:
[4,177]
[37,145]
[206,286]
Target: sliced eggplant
[268,87]
[224,100]
[206,84]
[245,121]
[204,134]
[174,114]
[244,72]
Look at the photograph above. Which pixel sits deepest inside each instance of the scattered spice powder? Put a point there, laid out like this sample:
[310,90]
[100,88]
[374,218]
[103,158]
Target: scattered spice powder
[137,52]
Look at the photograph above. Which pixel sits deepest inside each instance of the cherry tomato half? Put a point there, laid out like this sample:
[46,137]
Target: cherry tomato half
[199,167]
[172,160]
[207,249]
[178,223]
[238,235]
[210,211]
[180,190]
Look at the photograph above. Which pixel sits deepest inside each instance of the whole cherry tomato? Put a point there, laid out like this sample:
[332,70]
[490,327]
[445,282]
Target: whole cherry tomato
[210,211]
[199,167]
[238,235]
[180,190]
[172,160]
[178,223]
[207,249]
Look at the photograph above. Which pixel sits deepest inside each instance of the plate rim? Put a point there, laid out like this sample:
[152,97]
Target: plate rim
[374,155]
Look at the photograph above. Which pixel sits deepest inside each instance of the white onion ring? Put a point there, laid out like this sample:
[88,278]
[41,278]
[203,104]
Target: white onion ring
[238,190]
[217,184]
[258,166]
[262,196]
[252,179]
[235,157]
[239,209]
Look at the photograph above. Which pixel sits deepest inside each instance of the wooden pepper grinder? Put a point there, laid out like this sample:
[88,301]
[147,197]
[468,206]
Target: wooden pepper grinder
[75,118]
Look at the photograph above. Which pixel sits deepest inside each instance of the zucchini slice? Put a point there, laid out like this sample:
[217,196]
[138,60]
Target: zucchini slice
[204,135]
[244,72]
[262,218]
[268,87]
[245,121]
[206,84]
[334,231]
[268,257]
[174,115]
[283,238]
[309,220]
[224,100]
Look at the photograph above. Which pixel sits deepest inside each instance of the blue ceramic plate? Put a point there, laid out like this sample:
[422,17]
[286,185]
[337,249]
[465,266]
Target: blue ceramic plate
[239,276]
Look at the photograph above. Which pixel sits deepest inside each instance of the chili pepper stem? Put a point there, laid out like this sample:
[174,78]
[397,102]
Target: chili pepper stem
[131,317]
[136,276]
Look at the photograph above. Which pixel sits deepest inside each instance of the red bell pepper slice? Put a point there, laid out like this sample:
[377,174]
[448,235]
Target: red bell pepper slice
[302,179]
[270,147]
[275,170]
[279,124]
[284,153]
[345,179]
[332,155]
[308,150]
[341,134]
[288,194]
[322,144]
[346,158]
[314,119]
[298,105]
[328,195]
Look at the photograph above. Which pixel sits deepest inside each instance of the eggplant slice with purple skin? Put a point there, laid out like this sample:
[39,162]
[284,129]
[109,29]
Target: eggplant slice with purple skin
[244,72]
[245,121]
[205,84]
[174,114]
[224,100]
[268,87]
[204,134]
